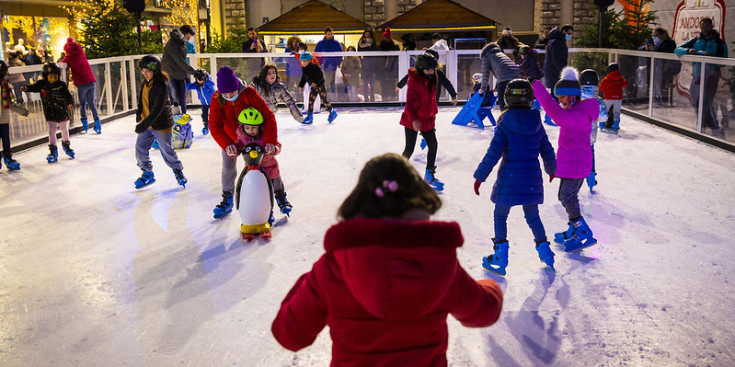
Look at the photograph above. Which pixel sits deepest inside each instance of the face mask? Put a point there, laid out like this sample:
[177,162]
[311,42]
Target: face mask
[232,99]
[568,37]
[656,41]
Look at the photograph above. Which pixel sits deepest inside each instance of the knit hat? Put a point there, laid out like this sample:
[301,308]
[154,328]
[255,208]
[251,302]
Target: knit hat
[227,82]
[306,56]
[568,85]
[387,34]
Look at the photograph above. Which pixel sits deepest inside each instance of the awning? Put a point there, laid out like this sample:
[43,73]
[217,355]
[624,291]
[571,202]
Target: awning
[313,17]
[439,16]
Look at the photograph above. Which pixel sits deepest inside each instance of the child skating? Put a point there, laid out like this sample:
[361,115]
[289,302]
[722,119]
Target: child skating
[518,140]
[58,105]
[389,277]
[154,122]
[313,75]
[612,87]
[574,152]
[270,87]
[205,88]
[7,104]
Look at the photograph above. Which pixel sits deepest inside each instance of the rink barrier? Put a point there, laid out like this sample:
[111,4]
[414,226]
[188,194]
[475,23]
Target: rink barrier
[118,82]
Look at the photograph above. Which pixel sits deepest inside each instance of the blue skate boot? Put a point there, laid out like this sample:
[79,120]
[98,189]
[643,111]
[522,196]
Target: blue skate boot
[97,126]
[145,179]
[53,155]
[283,203]
[592,180]
[332,115]
[308,120]
[545,253]
[85,125]
[205,129]
[582,237]
[180,177]
[430,178]
[271,219]
[155,144]
[423,144]
[615,127]
[11,163]
[498,261]
[547,121]
[67,149]
[225,206]
[563,236]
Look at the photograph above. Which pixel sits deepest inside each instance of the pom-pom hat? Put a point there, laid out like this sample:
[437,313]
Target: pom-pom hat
[227,82]
[568,85]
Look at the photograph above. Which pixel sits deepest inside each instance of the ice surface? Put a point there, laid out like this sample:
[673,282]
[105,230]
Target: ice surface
[96,273]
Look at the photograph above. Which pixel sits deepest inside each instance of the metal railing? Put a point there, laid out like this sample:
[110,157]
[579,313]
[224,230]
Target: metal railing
[652,94]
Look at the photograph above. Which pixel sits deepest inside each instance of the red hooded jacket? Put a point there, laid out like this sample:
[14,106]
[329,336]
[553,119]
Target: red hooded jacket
[385,288]
[420,101]
[612,85]
[81,72]
[223,119]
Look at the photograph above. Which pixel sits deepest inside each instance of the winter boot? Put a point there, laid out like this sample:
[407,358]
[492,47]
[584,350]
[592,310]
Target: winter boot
[283,202]
[97,126]
[67,149]
[545,253]
[85,125]
[224,207]
[145,179]
[547,121]
[498,261]
[11,163]
[309,119]
[430,178]
[53,155]
[332,115]
[563,236]
[592,180]
[582,237]
[180,177]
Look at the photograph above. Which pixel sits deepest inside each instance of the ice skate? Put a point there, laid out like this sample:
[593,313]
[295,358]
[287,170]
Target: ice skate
[332,115]
[548,121]
[430,178]
[145,179]
[180,177]
[97,126]
[581,239]
[498,261]
[224,207]
[283,203]
[53,155]
[11,163]
[309,119]
[67,149]
[563,236]
[592,180]
[85,125]
[545,253]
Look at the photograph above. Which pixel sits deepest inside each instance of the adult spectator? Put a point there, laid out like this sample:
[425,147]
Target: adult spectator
[439,45]
[329,64]
[495,61]
[707,43]
[189,36]
[174,64]
[408,43]
[18,80]
[557,54]
[663,70]
[507,41]
[369,64]
[62,55]
[351,68]
[84,80]
[32,58]
[543,39]
[254,45]
[387,67]
[293,65]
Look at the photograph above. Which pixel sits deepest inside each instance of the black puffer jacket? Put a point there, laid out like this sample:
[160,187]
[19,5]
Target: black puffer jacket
[174,57]
[557,54]
[55,98]
[159,105]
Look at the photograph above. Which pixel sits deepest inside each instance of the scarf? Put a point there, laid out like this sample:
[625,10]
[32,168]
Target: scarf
[7,94]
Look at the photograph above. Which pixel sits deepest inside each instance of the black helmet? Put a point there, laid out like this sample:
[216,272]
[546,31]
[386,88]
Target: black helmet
[150,62]
[433,54]
[3,69]
[523,49]
[200,74]
[613,67]
[589,77]
[50,68]
[425,61]
[518,93]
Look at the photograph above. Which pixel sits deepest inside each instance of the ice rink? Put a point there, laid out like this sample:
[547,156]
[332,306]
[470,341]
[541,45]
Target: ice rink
[96,273]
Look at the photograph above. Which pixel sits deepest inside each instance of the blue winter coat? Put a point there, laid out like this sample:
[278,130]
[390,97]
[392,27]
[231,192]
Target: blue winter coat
[557,54]
[325,45]
[519,138]
[204,91]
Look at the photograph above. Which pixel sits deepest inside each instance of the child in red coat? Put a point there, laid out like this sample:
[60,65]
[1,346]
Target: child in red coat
[388,279]
[612,87]
[420,113]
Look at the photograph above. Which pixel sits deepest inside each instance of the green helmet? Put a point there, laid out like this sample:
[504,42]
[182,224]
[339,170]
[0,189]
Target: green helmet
[250,116]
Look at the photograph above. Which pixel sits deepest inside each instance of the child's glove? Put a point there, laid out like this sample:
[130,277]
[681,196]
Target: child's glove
[477,187]
[551,177]
[140,128]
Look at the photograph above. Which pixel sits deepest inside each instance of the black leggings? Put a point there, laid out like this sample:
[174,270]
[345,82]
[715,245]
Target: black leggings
[430,137]
[322,94]
[5,136]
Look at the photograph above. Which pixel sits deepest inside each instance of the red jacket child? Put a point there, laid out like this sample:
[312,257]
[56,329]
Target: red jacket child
[81,71]
[385,287]
[420,102]
[612,85]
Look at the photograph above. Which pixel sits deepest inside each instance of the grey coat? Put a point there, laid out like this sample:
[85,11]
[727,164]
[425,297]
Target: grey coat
[277,92]
[495,61]
[174,57]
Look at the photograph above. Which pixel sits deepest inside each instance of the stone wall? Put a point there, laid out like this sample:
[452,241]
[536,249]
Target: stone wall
[375,10]
[550,14]
[234,13]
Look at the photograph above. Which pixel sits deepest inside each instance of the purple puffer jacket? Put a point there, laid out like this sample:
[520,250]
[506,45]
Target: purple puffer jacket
[574,152]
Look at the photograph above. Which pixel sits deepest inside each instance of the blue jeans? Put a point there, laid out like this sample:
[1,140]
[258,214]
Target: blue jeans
[532,218]
[568,190]
[143,148]
[86,97]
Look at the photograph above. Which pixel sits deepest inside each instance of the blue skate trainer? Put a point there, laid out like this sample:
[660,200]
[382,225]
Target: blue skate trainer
[545,253]
[332,115]
[180,177]
[430,178]
[563,236]
[498,261]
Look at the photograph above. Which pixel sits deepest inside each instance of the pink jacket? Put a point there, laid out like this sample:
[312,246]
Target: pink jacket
[81,72]
[574,152]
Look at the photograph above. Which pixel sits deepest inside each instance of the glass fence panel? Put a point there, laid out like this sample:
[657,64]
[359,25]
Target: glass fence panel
[671,93]
[467,65]
[379,78]
[718,108]
[116,75]
[100,92]
[635,70]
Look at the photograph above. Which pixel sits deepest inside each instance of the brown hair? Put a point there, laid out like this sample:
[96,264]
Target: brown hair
[411,191]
